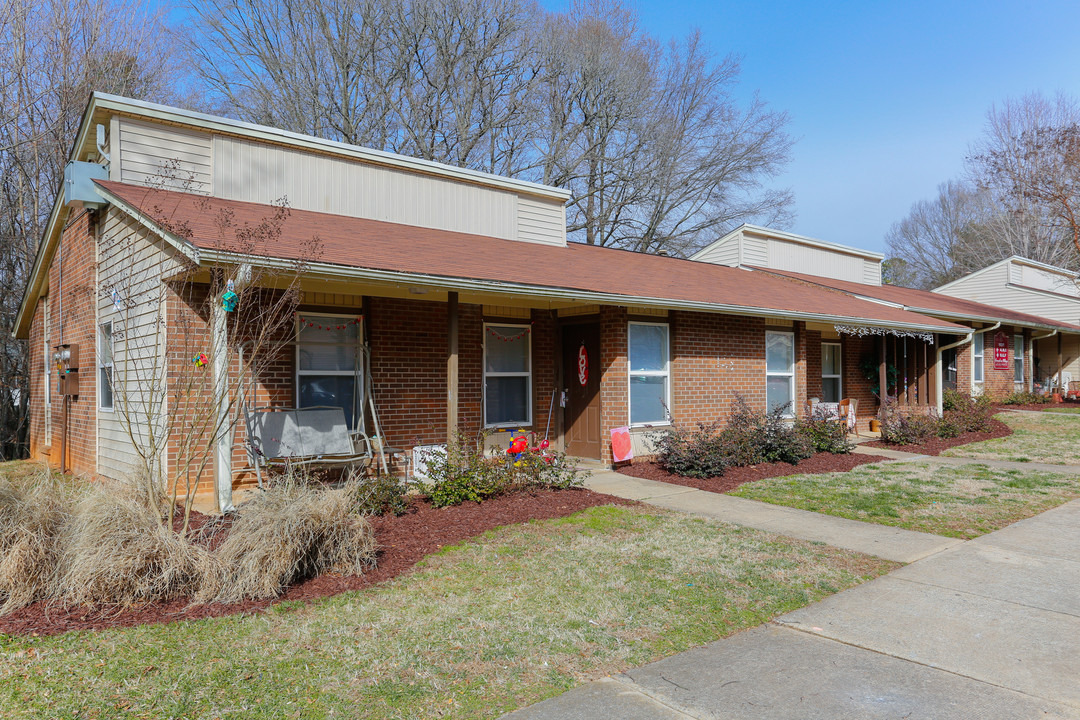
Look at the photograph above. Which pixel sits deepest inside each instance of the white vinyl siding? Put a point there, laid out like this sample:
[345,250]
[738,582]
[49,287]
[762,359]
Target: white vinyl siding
[164,156]
[977,358]
[649,362]
[329,360]
[780,371]
[507,375]
[831,371]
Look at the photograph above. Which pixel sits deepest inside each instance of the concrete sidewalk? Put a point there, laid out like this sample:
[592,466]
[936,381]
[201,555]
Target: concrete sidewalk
[989,628]
[886,542]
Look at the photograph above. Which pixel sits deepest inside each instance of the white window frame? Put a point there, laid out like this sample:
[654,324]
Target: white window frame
[527,329]
[794,363]
[840,376]
[298,373]
[978,343]
[49,363]
[1018,358]
[106,367]
[665,373]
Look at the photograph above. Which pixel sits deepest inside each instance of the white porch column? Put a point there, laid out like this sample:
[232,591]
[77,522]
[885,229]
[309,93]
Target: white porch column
[222,446]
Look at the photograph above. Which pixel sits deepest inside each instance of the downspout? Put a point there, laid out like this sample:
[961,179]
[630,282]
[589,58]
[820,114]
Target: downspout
[964,341]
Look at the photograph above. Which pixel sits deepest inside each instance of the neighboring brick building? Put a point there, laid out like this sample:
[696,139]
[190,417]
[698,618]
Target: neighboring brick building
[386,264]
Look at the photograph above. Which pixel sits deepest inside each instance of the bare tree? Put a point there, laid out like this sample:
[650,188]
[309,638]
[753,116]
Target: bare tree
[52,55]
[653,148]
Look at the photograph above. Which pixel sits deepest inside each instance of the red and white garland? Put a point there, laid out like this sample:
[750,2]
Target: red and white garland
[329,328]
[509,338]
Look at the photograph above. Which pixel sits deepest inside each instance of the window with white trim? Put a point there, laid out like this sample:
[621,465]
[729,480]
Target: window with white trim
[780,371]
[507,375]
[329,369]
[105,366]
[977,358]
[1018,358]
[831,386]
[650,373]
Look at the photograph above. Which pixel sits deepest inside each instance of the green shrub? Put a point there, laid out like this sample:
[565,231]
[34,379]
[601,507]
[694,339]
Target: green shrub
[381,494]
[969,414]
[899,428]
[1025,398]
[825,434]
[697,452]
[548,469]
[464,474]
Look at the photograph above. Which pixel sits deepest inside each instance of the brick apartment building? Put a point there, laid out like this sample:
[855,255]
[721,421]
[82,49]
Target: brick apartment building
[449,297]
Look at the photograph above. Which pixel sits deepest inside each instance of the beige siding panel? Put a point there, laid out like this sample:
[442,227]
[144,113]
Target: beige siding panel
[783,255]
[755,252]
[541,221]
[164,156]
[871,272]
[131,263]
[1043,280]
[985,287]
[1016,273]
[722,253]
[256,172]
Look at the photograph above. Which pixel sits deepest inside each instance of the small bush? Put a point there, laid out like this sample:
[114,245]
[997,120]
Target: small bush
[1026,398]
[970,414]
[116,550]
[464,474]
[384,493]
[825,434]
[545,470]
[291,531]
[898,428]
[697,452]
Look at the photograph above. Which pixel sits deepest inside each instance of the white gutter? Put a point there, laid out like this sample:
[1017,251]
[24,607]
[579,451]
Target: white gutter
[339,272]
[964,341]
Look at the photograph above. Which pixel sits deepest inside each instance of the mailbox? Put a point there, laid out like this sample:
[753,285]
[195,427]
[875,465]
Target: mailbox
[66,358]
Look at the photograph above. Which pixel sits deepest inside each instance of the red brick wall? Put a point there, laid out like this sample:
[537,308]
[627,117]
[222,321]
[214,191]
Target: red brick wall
[614,383]
[73,299]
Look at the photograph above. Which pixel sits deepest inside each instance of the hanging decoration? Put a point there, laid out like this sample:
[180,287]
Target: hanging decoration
[304,322]
[583,365]
[864,331]
[509,338]
[115,296]
[229,298]
[200,360]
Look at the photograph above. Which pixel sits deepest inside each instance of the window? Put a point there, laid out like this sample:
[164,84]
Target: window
[328,363]
[507,375]
[1018,358]
[830,372]
[105,367]
[977,358]
[780,371]
[649,373]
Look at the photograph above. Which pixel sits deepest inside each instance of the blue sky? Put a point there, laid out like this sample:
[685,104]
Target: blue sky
[884,98]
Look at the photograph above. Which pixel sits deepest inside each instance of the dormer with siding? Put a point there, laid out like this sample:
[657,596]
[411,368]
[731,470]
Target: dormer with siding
[753,246]
[192,152]
[1022,285]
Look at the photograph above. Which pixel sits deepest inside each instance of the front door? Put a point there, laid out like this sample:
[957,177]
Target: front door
[581,373]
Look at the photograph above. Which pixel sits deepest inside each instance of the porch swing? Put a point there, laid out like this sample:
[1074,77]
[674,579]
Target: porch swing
[318,436]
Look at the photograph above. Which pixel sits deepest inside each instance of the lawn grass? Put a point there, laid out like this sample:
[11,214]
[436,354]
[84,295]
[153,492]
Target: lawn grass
[519,614]
[1042,437]
[956,501]
[1063,410]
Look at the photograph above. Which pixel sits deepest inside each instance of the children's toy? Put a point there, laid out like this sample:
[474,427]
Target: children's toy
[200,360]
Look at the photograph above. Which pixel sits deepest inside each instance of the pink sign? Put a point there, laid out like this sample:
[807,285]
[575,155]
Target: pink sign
[621,447]
[1001,352]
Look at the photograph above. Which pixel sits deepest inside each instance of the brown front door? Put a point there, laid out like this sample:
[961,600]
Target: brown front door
[581,361]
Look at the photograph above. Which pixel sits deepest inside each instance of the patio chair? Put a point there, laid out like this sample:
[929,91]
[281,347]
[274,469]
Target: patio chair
[1073,389]
[847,413]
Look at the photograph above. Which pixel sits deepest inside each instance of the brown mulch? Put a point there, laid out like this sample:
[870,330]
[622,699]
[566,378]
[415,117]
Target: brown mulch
[1037,406]
[403,541]
[736,476]
[935,446]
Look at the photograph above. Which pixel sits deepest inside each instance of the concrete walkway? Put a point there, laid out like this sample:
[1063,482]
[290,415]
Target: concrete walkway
[988,628]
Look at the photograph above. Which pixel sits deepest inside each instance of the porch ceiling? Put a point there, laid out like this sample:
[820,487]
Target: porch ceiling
[425,263]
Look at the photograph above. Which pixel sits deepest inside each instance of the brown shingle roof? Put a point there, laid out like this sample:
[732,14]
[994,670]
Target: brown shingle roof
[930,303]
[383,246]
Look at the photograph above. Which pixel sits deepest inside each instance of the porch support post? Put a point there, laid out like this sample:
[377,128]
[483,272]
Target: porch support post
[1059,366]
[222,448]
[882,387]
[451,365]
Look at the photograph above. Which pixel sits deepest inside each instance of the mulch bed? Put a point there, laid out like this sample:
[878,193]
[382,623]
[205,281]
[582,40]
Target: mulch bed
[736,476]
[1041,407]
[403,541]
[935,446]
